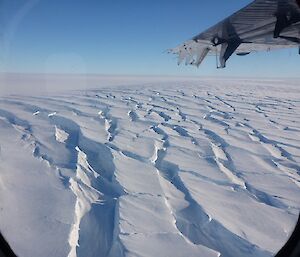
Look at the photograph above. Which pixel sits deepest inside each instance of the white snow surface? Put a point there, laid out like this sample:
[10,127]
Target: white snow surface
[185,169]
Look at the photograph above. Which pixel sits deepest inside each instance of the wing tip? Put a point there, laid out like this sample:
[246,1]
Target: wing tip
[192,52]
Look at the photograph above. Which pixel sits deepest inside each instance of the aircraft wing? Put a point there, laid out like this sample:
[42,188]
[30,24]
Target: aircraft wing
[263,25]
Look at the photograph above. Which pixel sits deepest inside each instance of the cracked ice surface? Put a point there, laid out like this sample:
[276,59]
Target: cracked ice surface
[185,169]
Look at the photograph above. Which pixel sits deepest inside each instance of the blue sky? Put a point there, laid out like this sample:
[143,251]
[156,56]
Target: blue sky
[120,37]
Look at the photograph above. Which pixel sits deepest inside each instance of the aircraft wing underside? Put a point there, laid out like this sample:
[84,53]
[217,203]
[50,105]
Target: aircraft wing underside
[263,25]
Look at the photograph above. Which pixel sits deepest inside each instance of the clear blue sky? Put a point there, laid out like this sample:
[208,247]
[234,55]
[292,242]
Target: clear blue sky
[120,37]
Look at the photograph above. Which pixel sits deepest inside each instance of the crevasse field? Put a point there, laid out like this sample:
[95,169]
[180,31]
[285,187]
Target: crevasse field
[159,170]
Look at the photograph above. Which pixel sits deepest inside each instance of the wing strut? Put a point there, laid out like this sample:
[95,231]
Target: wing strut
[285,17]
[227,49]
[229,41]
